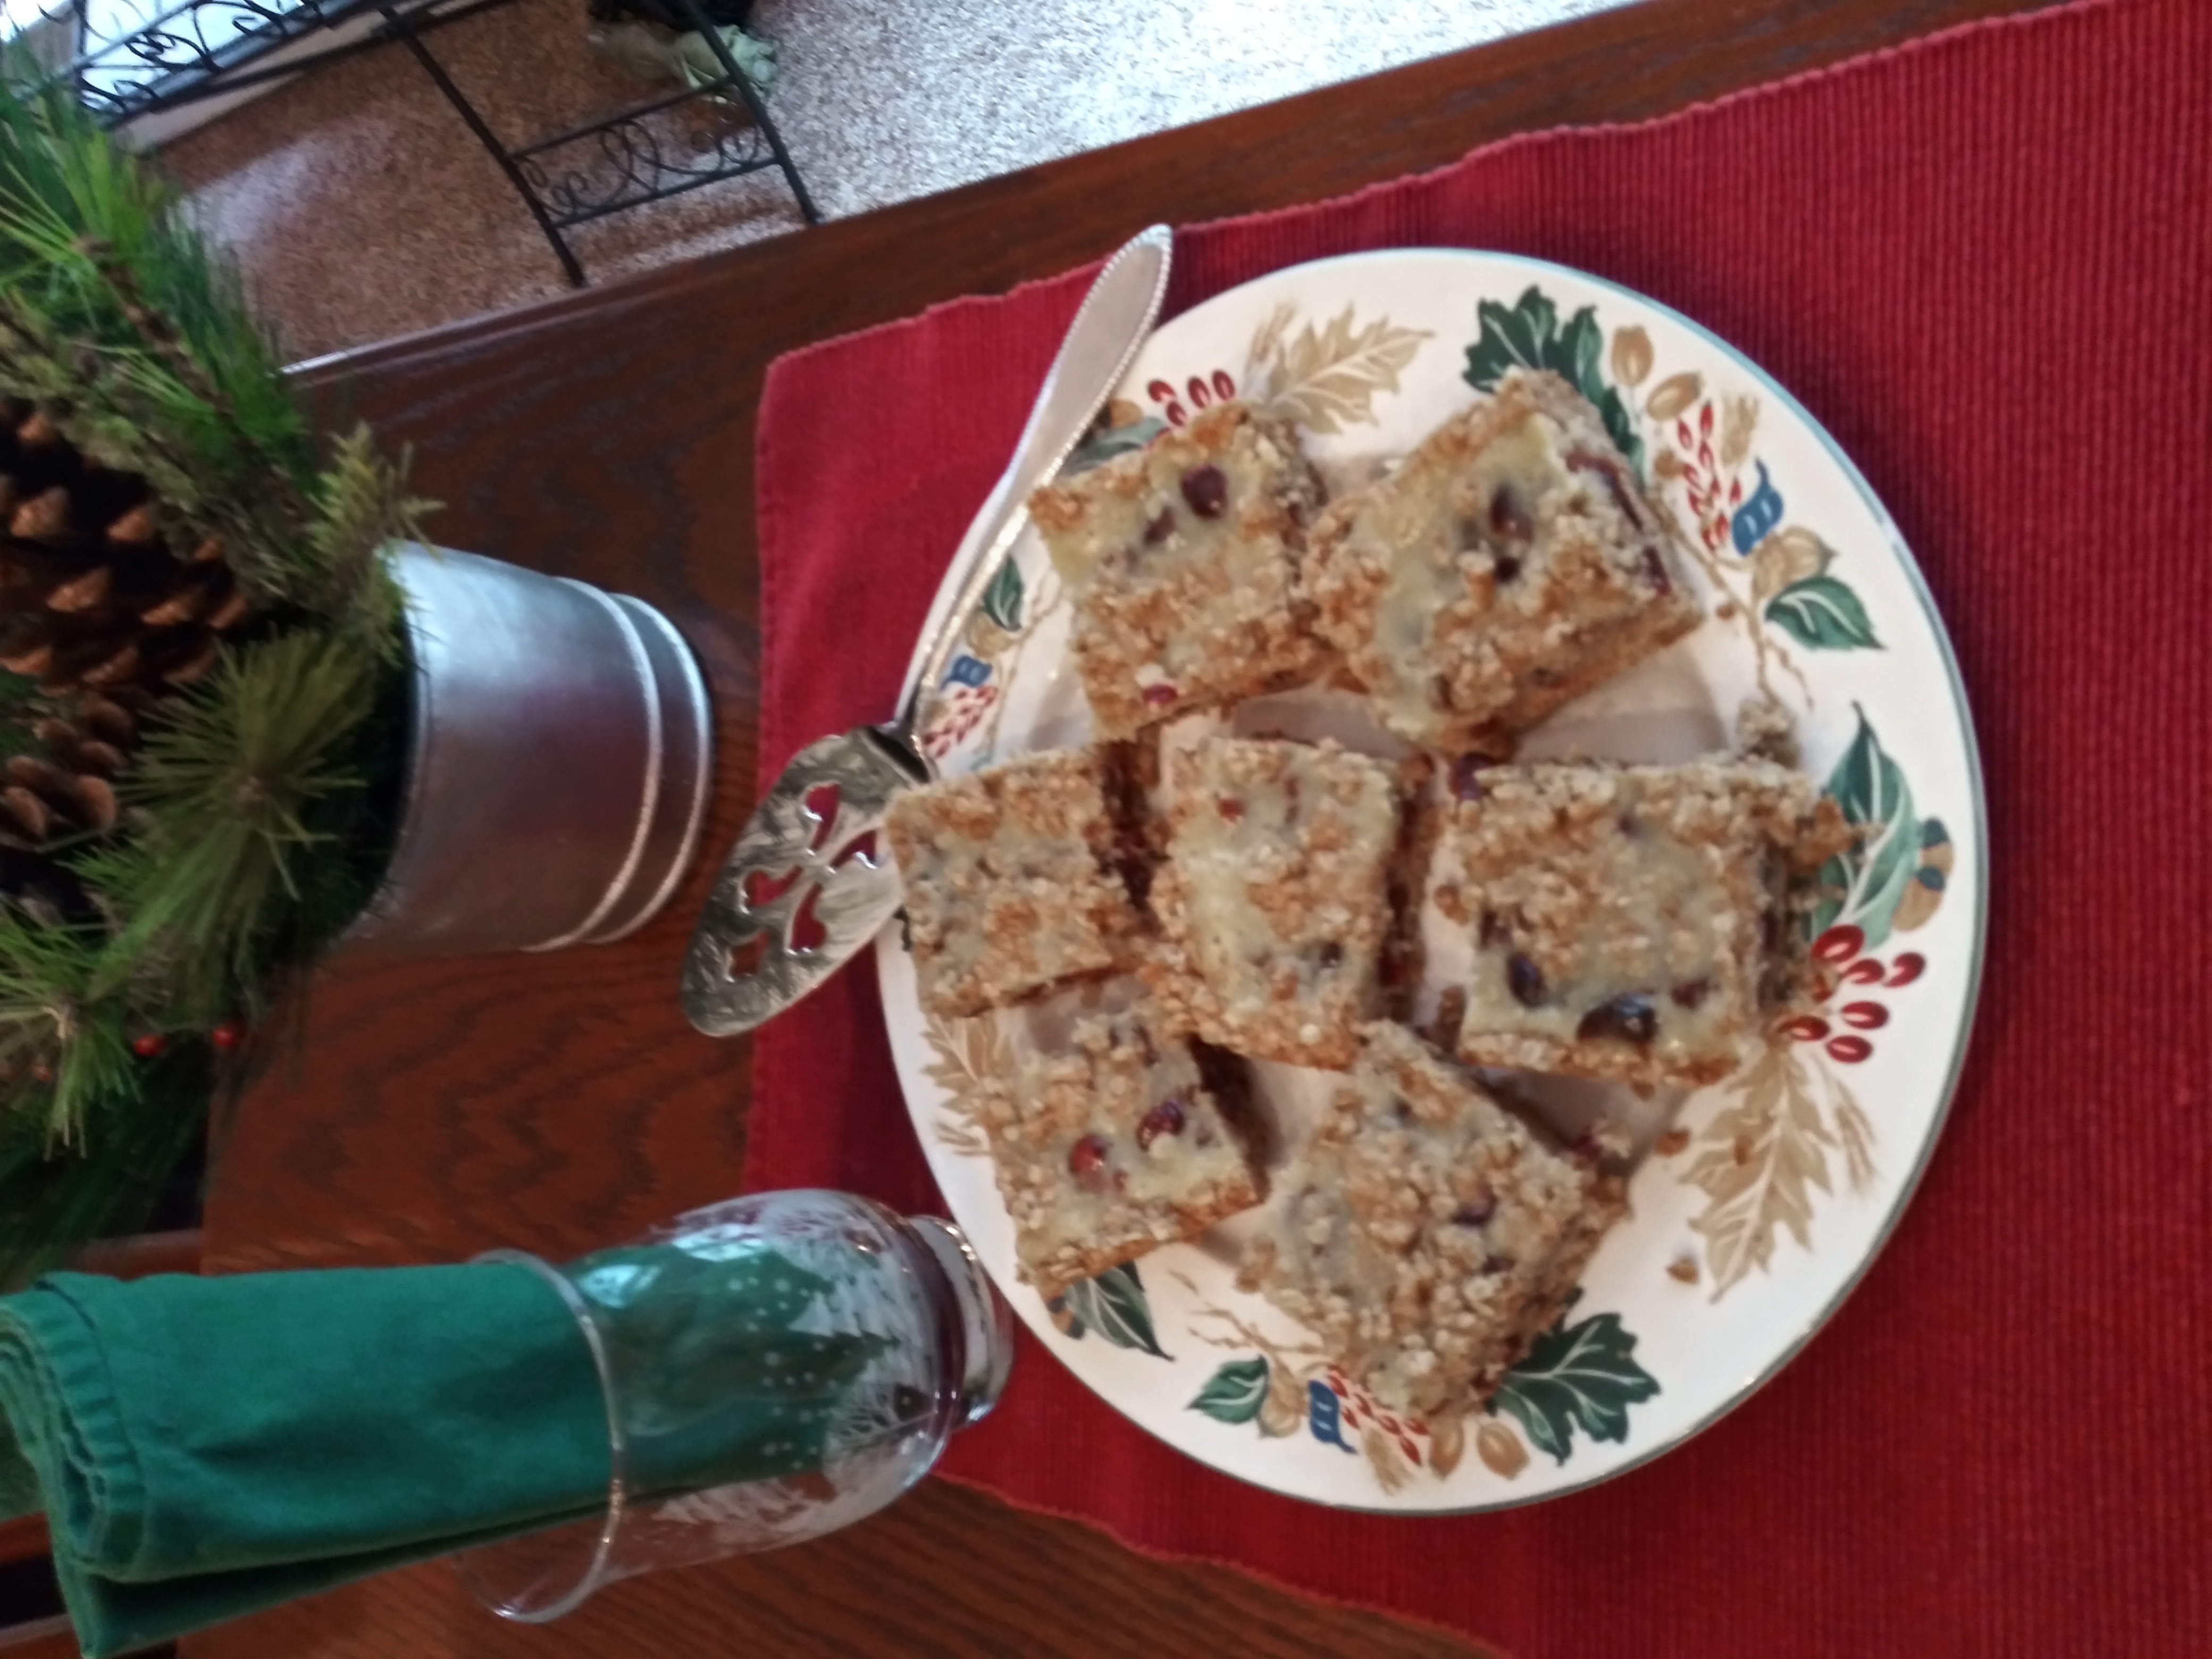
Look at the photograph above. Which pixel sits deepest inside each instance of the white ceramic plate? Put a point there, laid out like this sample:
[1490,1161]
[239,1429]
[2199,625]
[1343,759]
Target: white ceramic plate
[1758,1203]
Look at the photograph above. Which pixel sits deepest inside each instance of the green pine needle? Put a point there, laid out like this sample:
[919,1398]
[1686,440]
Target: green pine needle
[60,1049]
[362,505]
[228,785]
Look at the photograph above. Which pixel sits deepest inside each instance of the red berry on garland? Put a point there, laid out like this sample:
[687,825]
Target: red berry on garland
[150,1045]
[225,1035]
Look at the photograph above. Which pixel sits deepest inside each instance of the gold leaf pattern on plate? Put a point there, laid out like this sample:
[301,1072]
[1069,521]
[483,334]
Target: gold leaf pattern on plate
[1857,1137]
[1383,1458]
[1631,354]
[969,1053]
[1789,555]
[1500,1449]
[1447,1442]
[1673,395]
[1739,425]
[1757,1162]
[1283,1411]
[1327,380]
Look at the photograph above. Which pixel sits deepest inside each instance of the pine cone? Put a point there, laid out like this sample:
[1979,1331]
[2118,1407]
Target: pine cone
[90,595]
[69,789]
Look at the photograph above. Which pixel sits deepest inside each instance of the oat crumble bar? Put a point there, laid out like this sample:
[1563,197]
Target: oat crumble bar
[1274,903]
[1183,560]
[1427,1235]
[1010,887]
[1631,922]
[1113,1146]
[1511,563]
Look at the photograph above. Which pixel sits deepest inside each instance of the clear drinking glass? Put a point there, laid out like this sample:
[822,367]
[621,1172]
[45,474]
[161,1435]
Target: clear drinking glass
[775,1367]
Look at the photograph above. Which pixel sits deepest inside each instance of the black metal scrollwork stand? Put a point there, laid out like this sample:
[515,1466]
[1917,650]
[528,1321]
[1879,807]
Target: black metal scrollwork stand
[649,152]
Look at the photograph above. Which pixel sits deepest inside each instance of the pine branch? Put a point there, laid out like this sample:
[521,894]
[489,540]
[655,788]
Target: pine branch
[363,506]
[60,1048]
[117,317]
[227,785]
[258,810]
[52,1198]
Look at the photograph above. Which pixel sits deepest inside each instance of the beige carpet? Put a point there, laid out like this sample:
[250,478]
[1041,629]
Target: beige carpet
[361,207]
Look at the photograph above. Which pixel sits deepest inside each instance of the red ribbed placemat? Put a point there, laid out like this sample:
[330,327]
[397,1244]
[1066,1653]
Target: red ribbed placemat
[1985,262]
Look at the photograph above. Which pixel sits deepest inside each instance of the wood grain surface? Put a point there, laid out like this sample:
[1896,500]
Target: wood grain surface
[434,1108]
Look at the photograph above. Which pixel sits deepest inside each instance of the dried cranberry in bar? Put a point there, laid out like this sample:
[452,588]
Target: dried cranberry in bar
[1183,559]
[1425,1234]
[1274,903]
[1511,563]
[1111,1147]
[1010,880]
[1635,923]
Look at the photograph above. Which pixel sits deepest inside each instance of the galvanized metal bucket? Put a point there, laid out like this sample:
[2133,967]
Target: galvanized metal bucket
[562,746]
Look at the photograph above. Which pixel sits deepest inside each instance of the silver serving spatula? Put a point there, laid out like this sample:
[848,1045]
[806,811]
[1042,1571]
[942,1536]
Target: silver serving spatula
[810,880]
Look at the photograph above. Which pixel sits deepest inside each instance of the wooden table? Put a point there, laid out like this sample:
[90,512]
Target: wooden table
[554,1103]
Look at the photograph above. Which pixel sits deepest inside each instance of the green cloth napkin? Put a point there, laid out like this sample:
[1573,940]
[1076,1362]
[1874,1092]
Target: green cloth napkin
[204,1448]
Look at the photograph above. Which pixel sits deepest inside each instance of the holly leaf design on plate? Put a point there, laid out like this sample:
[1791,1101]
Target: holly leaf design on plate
[1328,380]
[1861,886]
[1105,443]
[1114,1305]
[1002,599]
[1580,1375]
[1527,334]
[1824,614]
[1234,1393]
[1756,1162]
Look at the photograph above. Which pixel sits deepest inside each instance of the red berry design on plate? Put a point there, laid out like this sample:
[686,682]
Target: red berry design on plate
[1159,392]
[1865,1016]
[960,713]
[1866,970]
[1840,944]
[1850,1049]
[1909,966]
[1805,1028]
[1201,393]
